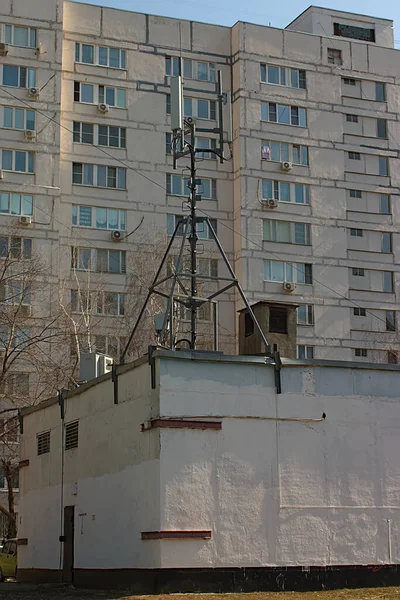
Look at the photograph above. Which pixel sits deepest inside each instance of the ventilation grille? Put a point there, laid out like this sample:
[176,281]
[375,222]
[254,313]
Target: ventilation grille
[43,442]
[71,435]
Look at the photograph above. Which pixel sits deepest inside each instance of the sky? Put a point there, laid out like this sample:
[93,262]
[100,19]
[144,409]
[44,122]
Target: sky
[227,12]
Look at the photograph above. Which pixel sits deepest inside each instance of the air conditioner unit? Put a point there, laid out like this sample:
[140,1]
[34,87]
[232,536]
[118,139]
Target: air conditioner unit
[289,287]
[286,165]
[3,49]
[271,202]
[103,107]
[190,120]
[24,220]
[30,135]
[116,235]
[34,92]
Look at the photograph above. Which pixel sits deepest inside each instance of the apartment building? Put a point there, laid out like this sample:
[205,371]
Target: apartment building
[305,205]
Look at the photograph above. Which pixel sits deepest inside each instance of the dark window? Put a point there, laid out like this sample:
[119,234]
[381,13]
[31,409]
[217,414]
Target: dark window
[381,129]
[390,320]
[361,352]
[354,156]
[76,91]
[71,435]
[168,104]
[277,319]
[352,118]
[380,95]
[43,442]
[168,143]
[308,278]
[248,324]
[359,312]
[356,33]
[349,81]
[355,194]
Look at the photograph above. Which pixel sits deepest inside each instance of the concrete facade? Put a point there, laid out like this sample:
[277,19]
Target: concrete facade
[305,478]
[337,239]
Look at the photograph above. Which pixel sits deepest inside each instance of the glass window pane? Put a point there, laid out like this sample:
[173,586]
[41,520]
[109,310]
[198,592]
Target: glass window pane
[122,220]
[176,184]
[21,36]
[30,119]
[87,174]
[8,32]
[205,184]
[32,38]
[283,114]
[87,93]
[10,75]
[202,71]
[101,218]
[299,273]
[387,281]
[294,78]
[277,271]
[111,177]
[202,109]
[19,118]
[122,59]
[304,155]
[101,176]
[103,55]
[4,203]
[103,135]
[8,117]
[31,78]
[383,165]
[384,204]
[114,58]
[87,133]
[283,75]
[284,151]
[299,193]
[284,192]
[121,180]
[112,218]
[87,54]
[380,92]
[114,261]
[77,173]
[15,204]
[110,96]
[30,162]
[282,231]
[114,136]
[273,75]
[267,189]
[100,94]
[27,205]
[6,163]
[275,148]
[299,233]
[121,98]
[264,111]
[85,216]
[302,117]
[20,161]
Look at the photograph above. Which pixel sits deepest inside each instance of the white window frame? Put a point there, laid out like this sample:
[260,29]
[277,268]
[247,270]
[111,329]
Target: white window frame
[276,191]
[184,190]
[24,200]
[121,136]
[96,299]
[272,225]
[266,112]
[360,352]
[307,350]
[20,251]
[30,78]
[8,35]
[96,56]
[95,176]
[194,112]
[76,217]
[30,158]
[14,110]
[283,154]
[15,293]
[203,233]
[356,232]
[189,67]
[291,271]
[284,76]
[96,94]
[93,260]
[356,194]
[308,315]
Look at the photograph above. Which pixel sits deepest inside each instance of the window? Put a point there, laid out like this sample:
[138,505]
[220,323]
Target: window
[172,65]
[16,204]
[305,314]
[71,435]
[17,161]
[354,156]
[203,71]
[334,56]
[359,312]
[360,352]
[305,352]
[286,232]
[383,166]
[109,344]
[114,58]
[83,133]
[99,176]
[275,270]
[281,151]
[88,93]
[356,232]
[387,281]
[100,303]
[18,118]
[381,128]
[295,78]
[384,204]
[206,144]
[43,442]
[17,340]
[357,272]
[178,186]
[202,109]
[115,137]
[278,319]
[283,191]
[203,230]
[98,260]
[380,95]
[168,104]
[99,218]
[248,324]
[15,247]
[356,33]
[284,114]
[25,37]
[392,357]
[349,81]
[9,547]
[355,194]
[390,320]
[386,242]
[15,292]
[352,118]
[22,77]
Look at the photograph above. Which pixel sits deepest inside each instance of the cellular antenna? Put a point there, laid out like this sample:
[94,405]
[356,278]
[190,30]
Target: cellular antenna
[183,280]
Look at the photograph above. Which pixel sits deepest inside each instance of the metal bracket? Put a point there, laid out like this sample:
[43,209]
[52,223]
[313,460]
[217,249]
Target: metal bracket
[152,364]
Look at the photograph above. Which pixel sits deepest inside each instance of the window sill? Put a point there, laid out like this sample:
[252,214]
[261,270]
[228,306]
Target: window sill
[18,172]
[98,65]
